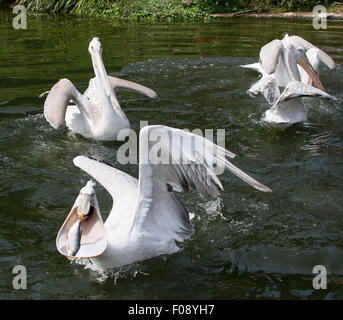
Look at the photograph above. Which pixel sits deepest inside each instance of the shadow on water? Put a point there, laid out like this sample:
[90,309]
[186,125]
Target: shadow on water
[247,244]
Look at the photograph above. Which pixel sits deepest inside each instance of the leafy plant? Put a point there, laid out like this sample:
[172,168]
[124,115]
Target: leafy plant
[169,10]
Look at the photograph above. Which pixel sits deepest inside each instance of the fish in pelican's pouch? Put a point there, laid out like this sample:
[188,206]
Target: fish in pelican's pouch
[74,238]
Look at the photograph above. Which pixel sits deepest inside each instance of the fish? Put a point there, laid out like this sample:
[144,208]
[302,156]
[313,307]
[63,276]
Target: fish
[74,238]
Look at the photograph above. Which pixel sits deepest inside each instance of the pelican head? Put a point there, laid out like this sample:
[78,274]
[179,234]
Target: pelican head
[95,50]
[83,228]
[302,60]
[295,54]
[87,200]
[95,46]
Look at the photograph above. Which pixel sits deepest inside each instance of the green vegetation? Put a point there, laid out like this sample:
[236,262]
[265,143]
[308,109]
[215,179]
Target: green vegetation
[167,10]
[130,10]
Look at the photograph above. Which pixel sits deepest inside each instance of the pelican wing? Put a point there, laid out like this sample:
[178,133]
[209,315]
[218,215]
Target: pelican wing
[187,161]
[56,103]
[296,89]
[323,56]
[121,186]
[255,66]
[326,59]
[266,86]
[269,55]
[120,84]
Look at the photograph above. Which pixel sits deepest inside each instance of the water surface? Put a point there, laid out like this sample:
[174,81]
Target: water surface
[247,244]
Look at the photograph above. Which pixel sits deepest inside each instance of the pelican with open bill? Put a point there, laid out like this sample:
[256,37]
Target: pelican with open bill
[147,218]
[90,237]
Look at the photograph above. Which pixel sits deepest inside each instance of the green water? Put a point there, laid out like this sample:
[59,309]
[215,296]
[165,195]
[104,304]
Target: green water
[247,244]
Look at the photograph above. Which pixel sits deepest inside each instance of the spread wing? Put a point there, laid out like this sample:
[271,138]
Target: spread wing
[120,84]
[266,86]
[121,186]
[296,89]
[255,66]
[269,55]
[186,162]
[56,103]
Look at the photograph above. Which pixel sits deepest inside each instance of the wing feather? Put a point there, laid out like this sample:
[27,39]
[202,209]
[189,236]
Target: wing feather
[56,103]
[121,186]
[192,168]
[297,89]
[326,59]
[269,55]
[266,86]
[120,84]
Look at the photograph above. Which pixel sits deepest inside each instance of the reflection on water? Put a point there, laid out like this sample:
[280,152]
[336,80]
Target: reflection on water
[247,244]
[317,141]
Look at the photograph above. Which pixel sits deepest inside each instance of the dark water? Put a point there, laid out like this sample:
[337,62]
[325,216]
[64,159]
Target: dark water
[247,244]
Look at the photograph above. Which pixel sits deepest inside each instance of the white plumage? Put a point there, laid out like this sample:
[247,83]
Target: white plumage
[147,216]
[292,63]
[97,113]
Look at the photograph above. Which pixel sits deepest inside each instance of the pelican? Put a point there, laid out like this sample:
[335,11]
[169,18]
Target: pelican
[292,59]
[97,113]
[292,63]
[147,216]
[289,107]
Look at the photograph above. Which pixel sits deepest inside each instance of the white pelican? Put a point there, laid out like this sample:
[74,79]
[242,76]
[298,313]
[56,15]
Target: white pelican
[292,59]
[147,216]
[97,113]
[282,56]
[292,63]
[289,107]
